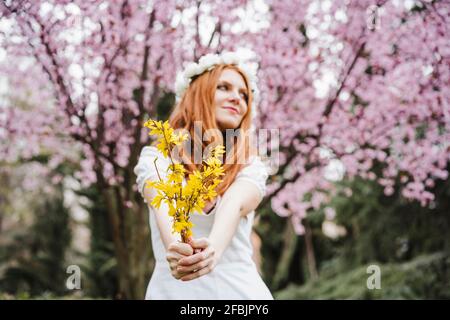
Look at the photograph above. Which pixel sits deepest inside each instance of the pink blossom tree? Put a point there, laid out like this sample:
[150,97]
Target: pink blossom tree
[358,82]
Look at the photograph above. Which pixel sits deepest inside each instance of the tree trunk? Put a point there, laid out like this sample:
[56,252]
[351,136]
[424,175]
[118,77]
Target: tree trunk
[130,232]
[310,256]
[281,275]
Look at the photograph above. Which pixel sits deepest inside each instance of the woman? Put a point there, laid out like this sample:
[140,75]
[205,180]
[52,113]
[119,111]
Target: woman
[217,263]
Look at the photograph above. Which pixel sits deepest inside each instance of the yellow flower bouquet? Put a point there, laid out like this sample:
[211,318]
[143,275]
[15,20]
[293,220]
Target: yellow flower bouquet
[183,200]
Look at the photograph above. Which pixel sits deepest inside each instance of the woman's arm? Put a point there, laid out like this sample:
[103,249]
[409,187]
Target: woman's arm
[163,220]
[175,249]
[241,198]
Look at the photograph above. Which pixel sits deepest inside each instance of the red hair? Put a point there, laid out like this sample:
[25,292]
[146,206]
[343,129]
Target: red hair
[197,104]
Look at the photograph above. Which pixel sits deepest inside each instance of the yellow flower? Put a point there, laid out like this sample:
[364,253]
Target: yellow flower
[211,193]
[179,226]
[218,151]
[156,202]
[179,138]
[172,209]
[183,200]
[176,174]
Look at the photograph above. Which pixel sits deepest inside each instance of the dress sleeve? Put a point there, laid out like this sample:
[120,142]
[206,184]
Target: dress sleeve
[256,172]
[145,168]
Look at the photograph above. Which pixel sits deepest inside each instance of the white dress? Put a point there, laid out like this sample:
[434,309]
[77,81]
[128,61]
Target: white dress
[235,277]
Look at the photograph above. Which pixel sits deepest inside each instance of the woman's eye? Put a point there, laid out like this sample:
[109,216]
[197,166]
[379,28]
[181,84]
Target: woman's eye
[224,87]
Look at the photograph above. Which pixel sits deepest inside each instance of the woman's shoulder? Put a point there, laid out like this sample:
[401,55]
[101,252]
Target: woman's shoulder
[153,152]
[255,162]
[254,167]
[150,150]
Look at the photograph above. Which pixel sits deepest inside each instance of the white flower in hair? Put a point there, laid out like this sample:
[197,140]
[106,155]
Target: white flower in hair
[192,69]
[209,60]
[230,58]
[181,83]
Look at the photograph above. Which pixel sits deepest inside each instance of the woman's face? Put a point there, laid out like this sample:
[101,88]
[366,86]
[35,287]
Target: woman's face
[230,100]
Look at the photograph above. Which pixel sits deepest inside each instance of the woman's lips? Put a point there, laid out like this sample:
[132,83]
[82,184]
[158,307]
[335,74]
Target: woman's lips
[232,109]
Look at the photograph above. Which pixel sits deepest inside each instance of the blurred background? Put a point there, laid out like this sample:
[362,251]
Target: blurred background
[353,121]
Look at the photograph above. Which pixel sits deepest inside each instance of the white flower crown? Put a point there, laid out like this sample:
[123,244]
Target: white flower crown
[208,62]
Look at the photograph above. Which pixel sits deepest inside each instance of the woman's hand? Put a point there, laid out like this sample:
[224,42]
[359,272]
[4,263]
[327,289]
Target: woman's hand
[175,252]
[200,263]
